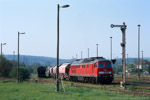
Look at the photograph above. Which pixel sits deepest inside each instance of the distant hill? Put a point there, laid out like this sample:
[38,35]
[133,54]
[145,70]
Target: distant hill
[28,60]
[128,61]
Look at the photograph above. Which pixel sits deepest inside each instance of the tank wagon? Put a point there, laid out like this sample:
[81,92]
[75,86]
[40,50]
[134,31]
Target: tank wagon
[64,71]
[53,72]
[90,70]
[50,71]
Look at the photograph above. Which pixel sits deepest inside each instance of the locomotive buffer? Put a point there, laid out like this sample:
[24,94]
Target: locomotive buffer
[123,45]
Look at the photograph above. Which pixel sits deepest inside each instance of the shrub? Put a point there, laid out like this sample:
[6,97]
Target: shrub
[23,74]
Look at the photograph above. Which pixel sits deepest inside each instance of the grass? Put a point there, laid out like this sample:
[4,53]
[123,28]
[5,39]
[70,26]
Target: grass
[10,90]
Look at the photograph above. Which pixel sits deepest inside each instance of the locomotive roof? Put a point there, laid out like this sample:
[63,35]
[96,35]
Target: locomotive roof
[88,60]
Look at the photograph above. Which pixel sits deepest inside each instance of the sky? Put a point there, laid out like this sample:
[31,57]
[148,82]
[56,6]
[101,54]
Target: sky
[83,25]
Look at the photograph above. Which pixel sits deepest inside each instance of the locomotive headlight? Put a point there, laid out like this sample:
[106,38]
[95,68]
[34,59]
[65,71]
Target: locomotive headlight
[110,72]
[101,72]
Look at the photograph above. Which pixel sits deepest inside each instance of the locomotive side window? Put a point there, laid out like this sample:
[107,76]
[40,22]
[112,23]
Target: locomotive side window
[95,65]
[101,65]
[87,66]
[108,65]
[83,66]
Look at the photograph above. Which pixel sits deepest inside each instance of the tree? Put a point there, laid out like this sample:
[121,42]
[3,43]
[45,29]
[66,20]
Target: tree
[47,63]
[5,67]
[34,67]
[117,69]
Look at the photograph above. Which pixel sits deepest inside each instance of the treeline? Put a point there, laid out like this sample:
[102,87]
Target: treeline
[132,68]
[5,67]
[44,61]
[8,68]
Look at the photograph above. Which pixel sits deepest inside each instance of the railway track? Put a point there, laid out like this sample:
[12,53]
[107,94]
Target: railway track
[132,82]
[138,89]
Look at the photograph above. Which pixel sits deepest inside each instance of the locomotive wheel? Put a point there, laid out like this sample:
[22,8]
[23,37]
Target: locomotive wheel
[70,79]
[85,80]
[102,80]
[93,80]
[75,79]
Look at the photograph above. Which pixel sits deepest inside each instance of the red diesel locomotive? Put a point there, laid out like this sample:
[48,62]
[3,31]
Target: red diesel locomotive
[91,70]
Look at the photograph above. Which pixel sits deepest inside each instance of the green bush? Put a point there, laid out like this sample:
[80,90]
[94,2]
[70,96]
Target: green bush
[23,74]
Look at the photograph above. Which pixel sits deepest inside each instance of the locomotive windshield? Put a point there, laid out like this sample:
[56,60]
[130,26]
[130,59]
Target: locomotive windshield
[108,64]
[101,65]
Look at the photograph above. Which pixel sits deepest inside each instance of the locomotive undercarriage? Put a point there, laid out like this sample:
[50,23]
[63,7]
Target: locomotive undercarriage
[103,79]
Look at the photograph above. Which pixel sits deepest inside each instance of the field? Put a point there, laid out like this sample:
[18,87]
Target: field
[44,89]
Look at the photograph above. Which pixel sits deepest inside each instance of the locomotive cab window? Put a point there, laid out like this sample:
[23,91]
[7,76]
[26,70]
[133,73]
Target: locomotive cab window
[108,65]
[101,65]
